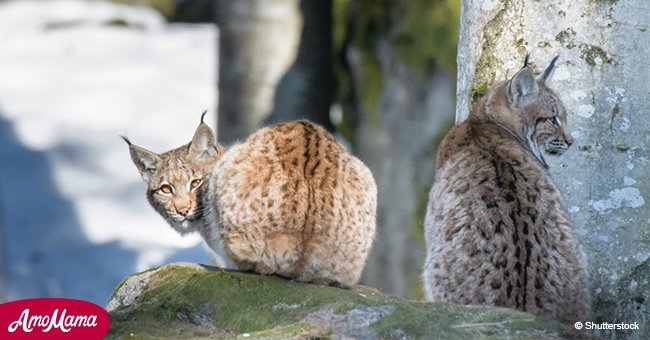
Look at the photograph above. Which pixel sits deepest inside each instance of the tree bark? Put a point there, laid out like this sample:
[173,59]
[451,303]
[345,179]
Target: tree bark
[602,78]
[258,42]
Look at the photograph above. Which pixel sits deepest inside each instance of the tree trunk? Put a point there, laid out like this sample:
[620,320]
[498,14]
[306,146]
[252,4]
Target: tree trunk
[307,89]
[602,78]
[258,42]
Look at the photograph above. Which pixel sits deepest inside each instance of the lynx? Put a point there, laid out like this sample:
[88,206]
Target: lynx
[497,230]
[288,201]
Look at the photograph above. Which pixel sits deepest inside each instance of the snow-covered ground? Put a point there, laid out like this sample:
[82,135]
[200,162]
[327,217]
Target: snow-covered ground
[72,204]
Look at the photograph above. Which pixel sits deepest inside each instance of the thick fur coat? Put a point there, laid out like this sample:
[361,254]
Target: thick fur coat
[497,230]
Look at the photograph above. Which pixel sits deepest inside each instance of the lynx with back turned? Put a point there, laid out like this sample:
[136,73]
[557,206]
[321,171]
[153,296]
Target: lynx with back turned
[289,201]
[496,227]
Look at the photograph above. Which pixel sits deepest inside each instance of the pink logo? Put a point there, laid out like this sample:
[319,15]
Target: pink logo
[52,318]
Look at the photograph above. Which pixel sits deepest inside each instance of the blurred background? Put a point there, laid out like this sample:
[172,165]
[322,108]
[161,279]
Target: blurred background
[75,74]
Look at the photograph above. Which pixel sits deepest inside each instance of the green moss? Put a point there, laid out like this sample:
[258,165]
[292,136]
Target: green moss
[119,285]
[344,307]
[427,34]
[487,63]
[422,320]
[276,311]
[196,302]
[293,331]
[594,55]
[255,302]
[478,91]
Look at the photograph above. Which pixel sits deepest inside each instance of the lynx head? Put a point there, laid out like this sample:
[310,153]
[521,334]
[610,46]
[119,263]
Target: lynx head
[532,111]
[176,179]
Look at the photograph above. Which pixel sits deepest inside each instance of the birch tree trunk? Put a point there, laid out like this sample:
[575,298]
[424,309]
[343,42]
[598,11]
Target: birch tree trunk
[602,78]
[258,40]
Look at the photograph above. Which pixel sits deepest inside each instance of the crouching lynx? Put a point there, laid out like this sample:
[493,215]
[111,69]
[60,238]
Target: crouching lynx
[496,227]
[289,200]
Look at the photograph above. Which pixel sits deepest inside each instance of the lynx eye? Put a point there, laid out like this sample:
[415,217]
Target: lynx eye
[195,183]
[554,121]
[166,189]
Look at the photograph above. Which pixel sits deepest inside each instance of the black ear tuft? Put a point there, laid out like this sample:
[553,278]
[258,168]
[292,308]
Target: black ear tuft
[203,115]
[549,70]
[126,140]
[526,60]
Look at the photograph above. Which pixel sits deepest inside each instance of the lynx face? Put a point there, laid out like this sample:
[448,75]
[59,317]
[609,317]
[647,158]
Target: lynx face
[175,179]
[542,115]
[497,229]
[174,188]
[549,124]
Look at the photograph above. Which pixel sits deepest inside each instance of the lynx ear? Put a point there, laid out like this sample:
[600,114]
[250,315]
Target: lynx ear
[549,70]
[145,160]
[204,144]
[522,88]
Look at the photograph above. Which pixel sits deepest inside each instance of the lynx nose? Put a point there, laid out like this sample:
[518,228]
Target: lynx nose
[183,211]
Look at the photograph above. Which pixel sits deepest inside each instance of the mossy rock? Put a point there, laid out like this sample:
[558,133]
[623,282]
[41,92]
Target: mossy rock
[195,301]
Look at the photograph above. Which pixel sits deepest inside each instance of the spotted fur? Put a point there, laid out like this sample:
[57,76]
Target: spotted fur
[289,201]
[496,227]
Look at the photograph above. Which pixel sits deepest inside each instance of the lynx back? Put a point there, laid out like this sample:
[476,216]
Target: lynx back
[291,201]
[496,227]
[288,201]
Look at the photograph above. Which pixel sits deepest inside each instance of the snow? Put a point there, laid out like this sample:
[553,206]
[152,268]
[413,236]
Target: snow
[72,204]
